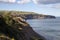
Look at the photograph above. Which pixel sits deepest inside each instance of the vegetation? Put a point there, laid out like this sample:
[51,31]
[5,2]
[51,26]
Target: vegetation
[13,27]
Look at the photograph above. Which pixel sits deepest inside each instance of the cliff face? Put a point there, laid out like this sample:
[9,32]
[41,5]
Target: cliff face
[36,16]
[15,28]
[27,15]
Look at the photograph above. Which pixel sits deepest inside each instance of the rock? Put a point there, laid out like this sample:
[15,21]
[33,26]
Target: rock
[17,29]
[50,17]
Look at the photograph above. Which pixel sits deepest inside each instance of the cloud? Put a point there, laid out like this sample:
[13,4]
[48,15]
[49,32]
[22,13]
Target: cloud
[12,1]
[34,1]
[9,1]
[46,1]
[23,1]
[16,1]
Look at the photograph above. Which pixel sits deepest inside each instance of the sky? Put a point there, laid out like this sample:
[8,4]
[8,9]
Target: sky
[48,7]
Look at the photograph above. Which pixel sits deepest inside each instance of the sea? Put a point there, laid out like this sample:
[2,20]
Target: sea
[49,28]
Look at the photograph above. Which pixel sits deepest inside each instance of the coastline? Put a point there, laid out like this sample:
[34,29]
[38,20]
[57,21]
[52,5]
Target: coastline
[17,29]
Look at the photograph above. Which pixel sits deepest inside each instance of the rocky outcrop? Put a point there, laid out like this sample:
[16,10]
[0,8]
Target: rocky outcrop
[15,28]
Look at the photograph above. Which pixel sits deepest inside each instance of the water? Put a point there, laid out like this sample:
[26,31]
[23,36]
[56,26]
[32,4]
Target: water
[49,28]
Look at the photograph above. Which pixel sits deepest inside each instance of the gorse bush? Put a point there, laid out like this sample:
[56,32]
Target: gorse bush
[7,18]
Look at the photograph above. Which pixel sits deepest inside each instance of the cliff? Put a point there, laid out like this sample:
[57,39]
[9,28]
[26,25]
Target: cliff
[28,15]
[15,28]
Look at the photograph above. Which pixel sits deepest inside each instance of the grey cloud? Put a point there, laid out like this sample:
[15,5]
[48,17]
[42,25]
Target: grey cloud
[35,1]
[46,1]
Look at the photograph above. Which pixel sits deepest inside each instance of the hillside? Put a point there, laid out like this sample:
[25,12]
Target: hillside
[27,15]
[15,28]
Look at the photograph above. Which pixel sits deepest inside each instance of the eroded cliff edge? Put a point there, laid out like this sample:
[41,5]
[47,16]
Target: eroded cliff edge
[15,28]
[28,15]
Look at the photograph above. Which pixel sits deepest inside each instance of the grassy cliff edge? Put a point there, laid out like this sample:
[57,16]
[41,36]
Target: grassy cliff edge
[28,15]
[13,27]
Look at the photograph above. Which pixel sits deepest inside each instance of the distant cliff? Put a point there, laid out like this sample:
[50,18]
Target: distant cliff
[28,15]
